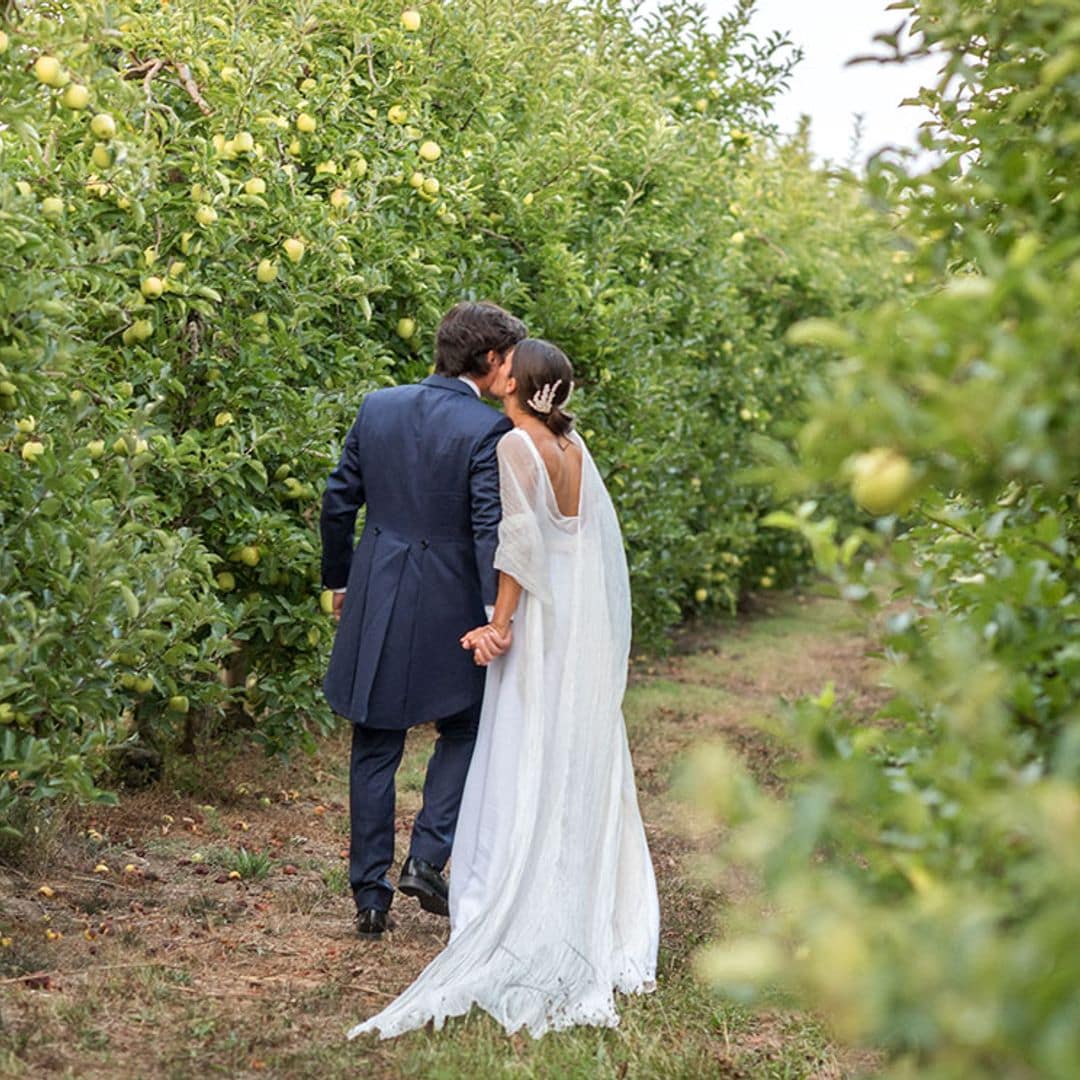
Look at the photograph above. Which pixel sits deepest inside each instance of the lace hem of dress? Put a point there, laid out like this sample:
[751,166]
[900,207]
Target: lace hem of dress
[515,1005]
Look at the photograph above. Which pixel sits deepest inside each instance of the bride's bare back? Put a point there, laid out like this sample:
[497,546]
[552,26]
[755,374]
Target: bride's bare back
[562,460]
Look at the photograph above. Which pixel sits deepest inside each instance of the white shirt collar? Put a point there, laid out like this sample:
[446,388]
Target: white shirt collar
[465,379]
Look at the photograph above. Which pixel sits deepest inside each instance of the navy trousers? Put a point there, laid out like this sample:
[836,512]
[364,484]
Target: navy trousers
[376,754]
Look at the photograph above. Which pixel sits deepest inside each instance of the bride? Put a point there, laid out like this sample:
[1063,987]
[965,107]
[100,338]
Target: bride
[553,901]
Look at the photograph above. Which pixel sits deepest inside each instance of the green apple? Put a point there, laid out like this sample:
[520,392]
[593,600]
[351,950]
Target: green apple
[152,287]
[3,42]
[206,215]
[417,180]
[430,150]
[225,581]
[738,239]
[249,555]
[26,425]
[48,70]
[326,601]
[103,126]
[8,389]
[100,156]
[306,123]
[95,448]
[179,703]
[339,198]
[883,481]
[431,186]
[244,142]
[267,271]
[294,248]
[32,450]
[397,114]
[76,96]
[223,419]
[410,20]
[144,684]
[701,595]
[255,186]
[406,327]
[51,206]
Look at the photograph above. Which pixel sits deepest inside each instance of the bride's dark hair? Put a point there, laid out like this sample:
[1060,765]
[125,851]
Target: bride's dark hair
[537,364]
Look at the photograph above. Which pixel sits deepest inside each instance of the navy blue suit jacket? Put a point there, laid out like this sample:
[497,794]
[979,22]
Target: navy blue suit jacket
[422,459]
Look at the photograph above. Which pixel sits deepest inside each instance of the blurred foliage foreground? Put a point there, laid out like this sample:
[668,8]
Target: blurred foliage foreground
[923,878]
[222,222]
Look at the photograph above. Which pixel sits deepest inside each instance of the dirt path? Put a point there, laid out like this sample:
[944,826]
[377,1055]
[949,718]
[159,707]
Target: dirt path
[211,933]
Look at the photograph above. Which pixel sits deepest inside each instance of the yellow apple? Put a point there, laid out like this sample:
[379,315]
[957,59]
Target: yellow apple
[206,215]
[397,114]
[431,186]
[266,271]
[255,186]
[410,20]
[103,126]
[249,555]
[47,70]
[51,206]
[26,425]
[177,267]
[223,419]
[701,595]
[306,123]
[244,142]
[294,148]
[430,150]
[883,481]
[76,96]
[738,239]
[32,450]
[339,198]
[294,248]
[406,327]
[326,167]
[417,180]
[152,287]
[95,448]
[3,42]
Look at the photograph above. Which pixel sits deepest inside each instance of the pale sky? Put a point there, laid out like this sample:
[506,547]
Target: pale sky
[830,34]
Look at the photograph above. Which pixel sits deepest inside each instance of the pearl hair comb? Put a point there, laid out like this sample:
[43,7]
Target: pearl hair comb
[544,398]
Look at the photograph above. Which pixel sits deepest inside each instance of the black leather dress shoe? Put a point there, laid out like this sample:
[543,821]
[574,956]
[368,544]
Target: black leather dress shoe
[372,923]
[422,880]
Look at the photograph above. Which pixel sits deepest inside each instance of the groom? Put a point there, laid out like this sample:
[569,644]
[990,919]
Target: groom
[422,459]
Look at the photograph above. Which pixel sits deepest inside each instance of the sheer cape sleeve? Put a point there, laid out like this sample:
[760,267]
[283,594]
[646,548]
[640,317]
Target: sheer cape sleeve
[521,542]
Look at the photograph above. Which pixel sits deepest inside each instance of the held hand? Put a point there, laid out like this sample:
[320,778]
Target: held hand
[487,642]
[339,605]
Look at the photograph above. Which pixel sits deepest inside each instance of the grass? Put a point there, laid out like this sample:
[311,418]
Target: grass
[168,966]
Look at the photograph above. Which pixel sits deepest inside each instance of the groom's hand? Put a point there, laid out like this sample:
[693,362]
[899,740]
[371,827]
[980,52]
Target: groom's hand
[339,605]
[487,642]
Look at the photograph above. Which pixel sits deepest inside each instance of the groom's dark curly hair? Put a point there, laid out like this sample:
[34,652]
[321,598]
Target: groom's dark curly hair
[469,331]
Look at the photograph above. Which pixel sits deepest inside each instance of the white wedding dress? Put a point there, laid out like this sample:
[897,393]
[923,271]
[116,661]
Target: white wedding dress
[553,901]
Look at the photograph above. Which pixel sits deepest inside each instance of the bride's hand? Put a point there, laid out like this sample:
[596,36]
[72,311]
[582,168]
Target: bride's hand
[487,642]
